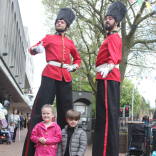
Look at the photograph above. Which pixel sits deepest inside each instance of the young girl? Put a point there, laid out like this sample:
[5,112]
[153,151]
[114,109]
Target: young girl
[46,134]
[11,129]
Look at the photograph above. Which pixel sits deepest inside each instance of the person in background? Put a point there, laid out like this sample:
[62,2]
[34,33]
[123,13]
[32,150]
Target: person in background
[46,134]
[16,119]
[145,119]
[11,129]
[21,122]
[25,122]
[74,138]
[28,122]
[146,122]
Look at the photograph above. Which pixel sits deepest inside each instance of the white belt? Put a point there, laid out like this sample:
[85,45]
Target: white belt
[58,64]
[103,66]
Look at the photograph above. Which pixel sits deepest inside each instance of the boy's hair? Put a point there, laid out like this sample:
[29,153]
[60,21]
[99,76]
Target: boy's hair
[73,114]
[48,106]
[11,122]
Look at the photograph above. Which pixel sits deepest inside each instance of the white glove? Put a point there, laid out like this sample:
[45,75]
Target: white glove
[107,69]
[104,72]
[72,68]
[38,49]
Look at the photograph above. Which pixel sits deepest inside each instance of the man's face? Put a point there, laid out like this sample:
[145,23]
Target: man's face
[109,23]
[60,26]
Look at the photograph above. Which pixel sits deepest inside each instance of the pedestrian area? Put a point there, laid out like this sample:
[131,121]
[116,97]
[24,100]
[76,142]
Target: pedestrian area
[15,149]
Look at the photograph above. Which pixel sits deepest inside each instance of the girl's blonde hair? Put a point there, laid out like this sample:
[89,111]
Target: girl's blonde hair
[48,106]
[11,122]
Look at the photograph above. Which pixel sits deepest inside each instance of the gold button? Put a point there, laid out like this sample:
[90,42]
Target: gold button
[46,133]
[62,62]
[53,145]
[37,144]
[63,59]
[63,41]
[35,153]
[64,50]
[45,145]
[64,53]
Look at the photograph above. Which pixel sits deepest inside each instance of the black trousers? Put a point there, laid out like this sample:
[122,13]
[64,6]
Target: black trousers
[14,136]
[46,94]
[106,133]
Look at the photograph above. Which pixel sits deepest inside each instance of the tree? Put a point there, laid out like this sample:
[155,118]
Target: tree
[88,33]
[126,96]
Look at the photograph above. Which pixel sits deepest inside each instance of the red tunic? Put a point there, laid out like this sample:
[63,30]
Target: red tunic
[58,48]
[110,52]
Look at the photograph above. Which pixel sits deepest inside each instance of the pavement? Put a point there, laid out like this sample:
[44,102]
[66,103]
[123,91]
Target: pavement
[15,148]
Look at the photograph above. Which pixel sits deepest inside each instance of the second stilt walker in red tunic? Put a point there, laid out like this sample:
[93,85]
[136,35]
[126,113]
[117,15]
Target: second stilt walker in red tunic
[106,133]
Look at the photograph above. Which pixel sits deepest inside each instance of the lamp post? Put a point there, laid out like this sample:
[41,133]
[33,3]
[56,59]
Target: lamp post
[132,102]
[133,97]
[80,73]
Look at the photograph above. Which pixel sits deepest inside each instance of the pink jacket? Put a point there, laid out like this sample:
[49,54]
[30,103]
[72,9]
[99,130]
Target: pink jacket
[52,134]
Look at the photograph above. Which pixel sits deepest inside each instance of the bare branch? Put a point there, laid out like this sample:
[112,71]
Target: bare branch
[141,66]
[144,41]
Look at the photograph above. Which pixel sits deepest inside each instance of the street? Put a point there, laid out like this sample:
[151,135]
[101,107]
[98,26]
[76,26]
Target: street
[15,149]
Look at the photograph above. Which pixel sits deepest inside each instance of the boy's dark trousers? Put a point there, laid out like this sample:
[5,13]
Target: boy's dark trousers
[106,133]
[46,94]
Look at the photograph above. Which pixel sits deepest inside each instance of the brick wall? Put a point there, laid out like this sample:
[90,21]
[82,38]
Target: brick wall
[122,143]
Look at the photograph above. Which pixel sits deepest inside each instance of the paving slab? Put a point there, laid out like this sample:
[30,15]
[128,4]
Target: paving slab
[15,148]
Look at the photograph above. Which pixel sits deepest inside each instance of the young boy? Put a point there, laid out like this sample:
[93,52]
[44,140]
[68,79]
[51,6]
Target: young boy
[74,139]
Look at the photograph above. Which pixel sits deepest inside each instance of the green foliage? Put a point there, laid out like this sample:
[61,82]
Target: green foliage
[139,102]
[152,110]
[126,96]
[145,106]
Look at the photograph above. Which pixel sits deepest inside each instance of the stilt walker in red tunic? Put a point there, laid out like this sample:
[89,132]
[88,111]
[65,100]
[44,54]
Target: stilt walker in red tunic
[56,77]
[106,133]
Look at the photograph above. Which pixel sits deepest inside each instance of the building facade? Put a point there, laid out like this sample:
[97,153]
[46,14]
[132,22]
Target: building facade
[16,64]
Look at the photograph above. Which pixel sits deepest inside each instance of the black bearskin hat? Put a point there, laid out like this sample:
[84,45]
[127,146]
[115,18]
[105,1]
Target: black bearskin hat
[67,15]
[117,10]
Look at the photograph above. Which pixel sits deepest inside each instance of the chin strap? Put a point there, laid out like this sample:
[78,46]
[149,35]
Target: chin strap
[112,32]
